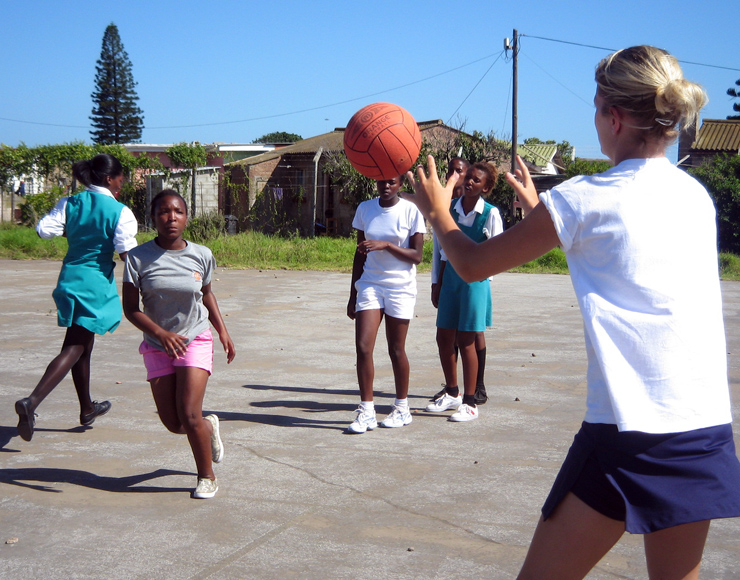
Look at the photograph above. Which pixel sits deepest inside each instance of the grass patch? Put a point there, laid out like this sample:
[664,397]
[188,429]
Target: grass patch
[22,243]
[253,250]
[553,262]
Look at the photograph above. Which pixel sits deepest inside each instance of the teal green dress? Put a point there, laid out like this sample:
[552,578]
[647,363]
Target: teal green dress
[465,306]
[86,293]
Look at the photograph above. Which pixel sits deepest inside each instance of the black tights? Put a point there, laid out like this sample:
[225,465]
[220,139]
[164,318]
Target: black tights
[75,356]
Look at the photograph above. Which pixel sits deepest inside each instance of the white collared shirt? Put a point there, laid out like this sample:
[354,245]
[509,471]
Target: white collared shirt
[493,226]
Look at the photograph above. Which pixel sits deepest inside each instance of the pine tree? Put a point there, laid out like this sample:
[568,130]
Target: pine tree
[735,94]
[116,118]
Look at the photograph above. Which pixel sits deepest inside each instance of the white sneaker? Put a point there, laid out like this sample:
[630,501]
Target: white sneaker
[365,421]
[399,417]
[206,488]
[464,413]
[217,446]
[444,403]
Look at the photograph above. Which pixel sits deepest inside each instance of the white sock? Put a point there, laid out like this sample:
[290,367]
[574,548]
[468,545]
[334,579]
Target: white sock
[403,403]
[367,406]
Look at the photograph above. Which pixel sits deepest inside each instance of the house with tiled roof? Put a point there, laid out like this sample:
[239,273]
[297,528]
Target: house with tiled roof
[715,136]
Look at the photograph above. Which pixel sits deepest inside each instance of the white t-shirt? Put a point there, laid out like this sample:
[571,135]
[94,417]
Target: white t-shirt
[641,244]
[395,224]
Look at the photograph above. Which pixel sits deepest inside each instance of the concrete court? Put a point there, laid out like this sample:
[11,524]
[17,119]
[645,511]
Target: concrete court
[298,497]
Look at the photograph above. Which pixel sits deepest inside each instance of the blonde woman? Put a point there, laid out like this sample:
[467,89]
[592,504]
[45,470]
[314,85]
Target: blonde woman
[655,453]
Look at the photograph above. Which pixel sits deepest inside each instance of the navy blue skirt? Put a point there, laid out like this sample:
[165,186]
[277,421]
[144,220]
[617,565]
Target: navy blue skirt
[651,481]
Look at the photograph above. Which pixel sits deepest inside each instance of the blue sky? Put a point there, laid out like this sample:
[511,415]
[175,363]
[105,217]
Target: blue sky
[232,71]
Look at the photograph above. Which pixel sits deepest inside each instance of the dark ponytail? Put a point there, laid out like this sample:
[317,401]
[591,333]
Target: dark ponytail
[94,171]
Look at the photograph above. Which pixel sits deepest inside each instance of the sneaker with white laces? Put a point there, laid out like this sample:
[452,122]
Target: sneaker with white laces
[217,446]
[206,488]
[444,403]
[464,413]
[365,421]
[399,417]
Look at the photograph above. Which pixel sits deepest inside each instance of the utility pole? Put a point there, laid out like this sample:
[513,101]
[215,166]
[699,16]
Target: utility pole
[514,47]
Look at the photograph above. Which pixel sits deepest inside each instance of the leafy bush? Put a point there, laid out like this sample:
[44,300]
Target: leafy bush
[205,227]
[721,177]
[38,205]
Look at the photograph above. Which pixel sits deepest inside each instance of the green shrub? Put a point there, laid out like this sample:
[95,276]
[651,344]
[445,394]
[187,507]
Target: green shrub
[205,227]
[38,205]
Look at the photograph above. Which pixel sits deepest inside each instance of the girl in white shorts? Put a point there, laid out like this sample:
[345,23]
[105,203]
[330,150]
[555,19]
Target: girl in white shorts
[390,239]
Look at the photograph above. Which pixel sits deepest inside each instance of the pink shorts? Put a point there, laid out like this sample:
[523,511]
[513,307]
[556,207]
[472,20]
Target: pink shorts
[199,354]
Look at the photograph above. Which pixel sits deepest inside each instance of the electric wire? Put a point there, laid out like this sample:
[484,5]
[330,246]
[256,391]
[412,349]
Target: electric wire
[286,114]
[614,50]
[475,87]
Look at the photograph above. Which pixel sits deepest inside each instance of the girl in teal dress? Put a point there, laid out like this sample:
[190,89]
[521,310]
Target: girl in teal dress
[464,309]
[96,226]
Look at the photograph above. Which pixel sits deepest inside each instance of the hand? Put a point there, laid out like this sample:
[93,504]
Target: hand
[435,295]
[228,346]
[175,345]
[523,185]
[351,305]
[431,198]
[367,246]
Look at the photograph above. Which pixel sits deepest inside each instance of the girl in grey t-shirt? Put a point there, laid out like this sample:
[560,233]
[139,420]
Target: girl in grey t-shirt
[173,278]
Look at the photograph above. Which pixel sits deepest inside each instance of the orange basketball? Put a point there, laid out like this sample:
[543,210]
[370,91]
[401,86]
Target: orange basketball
[382,141]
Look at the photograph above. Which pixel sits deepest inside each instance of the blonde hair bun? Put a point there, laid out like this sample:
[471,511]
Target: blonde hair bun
[648,83]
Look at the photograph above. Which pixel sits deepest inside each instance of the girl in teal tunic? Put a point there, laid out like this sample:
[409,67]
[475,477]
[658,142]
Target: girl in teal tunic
[95,225]
[465,308]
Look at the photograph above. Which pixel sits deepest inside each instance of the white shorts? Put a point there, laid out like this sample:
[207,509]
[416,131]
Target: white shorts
[395,302]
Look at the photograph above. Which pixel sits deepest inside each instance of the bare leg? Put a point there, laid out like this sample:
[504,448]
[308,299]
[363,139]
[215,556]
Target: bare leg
[466,342]
[367,323]
[675,553]
[447,346]
[75,356]
[191,388]
[164,392]
[396,330]
[179,401]
[570,542]
[480,349]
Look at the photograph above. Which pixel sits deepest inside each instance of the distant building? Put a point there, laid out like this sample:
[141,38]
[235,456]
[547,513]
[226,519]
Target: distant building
[715,136]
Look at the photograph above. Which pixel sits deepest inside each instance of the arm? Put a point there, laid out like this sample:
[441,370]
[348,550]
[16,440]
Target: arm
[533,236]
[54,223]
[437,288]
[358,265]
[214,315]
[124,236]
[411,254]
[173,343]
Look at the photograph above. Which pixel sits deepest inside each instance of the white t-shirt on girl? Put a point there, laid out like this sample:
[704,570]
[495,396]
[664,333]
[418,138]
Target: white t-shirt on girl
[395,224]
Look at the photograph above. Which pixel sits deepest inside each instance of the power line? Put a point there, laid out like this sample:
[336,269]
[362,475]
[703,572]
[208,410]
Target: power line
[286,114]
[614,50]
[475,87]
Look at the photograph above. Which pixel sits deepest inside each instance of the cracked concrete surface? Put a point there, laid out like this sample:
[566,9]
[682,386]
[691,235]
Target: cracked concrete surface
[298,497]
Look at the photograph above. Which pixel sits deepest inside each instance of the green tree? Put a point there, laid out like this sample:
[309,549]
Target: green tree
[721,177]
[279,137]
[586,167]
[735,94]
[116,118]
